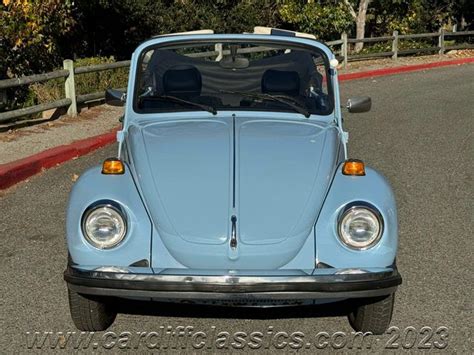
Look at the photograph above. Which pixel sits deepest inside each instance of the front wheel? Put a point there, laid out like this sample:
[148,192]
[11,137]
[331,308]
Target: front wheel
[90,314]
[373,315]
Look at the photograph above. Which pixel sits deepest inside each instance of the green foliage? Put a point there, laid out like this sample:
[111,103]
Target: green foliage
[245,15]
[30,33]
[38,34]
[325,20]
[416,16]
[116,27]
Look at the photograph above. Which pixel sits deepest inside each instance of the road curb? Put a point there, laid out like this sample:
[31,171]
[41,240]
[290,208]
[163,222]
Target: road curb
[403,69]
[16,171]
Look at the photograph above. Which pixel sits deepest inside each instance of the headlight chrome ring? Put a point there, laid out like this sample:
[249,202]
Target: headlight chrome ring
[360,226]
[104,224]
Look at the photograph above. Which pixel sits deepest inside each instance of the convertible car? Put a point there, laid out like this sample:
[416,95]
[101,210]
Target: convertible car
[232,186]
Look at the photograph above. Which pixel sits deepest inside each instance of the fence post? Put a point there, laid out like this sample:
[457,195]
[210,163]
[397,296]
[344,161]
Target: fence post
[395,45]
[441,41]
[70,87]
[344,49]
[218,48]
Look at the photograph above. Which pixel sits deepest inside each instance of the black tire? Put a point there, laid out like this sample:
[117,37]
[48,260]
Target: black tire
[90,314]
[373,315]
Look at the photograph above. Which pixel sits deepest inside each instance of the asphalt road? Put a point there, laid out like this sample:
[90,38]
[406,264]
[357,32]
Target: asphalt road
[419,134]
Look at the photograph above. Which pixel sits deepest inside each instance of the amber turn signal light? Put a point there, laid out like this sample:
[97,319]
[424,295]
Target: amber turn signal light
[113,166]
[353,167]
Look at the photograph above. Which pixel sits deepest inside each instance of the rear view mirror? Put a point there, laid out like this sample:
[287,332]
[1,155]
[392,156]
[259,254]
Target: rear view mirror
[115,97]
[359,104]
[234,61]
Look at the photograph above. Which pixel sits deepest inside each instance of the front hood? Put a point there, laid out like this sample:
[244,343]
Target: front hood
[283,178]
[272,175]
[187,188]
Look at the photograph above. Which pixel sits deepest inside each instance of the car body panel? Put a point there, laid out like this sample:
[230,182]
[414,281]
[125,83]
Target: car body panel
[372,189]
[284,170]
[189,195]
[92,186]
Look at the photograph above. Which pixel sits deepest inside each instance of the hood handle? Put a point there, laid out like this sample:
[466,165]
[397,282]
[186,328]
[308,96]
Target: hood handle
[233,235]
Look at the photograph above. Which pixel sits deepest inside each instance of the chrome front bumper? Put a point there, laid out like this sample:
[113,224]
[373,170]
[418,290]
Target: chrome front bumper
[231,287]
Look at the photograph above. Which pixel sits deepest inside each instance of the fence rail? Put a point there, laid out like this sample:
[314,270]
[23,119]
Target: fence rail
[25,80]
[101,67]
[370,39]
[419,35]
[68,72]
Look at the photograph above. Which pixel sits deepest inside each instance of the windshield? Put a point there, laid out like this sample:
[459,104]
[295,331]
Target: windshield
[233,76]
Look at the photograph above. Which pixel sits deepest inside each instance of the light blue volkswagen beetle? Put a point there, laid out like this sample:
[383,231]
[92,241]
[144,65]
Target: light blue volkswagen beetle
[232,186]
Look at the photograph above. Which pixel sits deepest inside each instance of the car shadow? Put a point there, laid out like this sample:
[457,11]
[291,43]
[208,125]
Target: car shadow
[186,310]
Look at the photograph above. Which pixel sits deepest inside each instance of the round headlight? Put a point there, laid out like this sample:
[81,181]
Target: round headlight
[360,227]
[104,226]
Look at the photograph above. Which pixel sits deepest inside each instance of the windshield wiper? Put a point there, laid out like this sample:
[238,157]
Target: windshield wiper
[177,100]
[286,100]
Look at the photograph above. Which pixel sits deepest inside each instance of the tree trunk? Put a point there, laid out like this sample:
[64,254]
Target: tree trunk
[360,24]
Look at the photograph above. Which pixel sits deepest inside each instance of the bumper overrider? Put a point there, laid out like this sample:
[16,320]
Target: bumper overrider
[227,287]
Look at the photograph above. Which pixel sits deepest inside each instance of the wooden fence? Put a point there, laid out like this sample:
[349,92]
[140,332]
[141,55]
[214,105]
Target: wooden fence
[340,47]
[70,101]
[441,48]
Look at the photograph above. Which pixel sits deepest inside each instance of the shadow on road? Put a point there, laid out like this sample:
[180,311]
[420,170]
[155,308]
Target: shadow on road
[168,309]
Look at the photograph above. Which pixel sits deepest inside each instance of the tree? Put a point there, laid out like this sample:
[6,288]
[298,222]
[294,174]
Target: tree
[116,27]
[360,18]
[417,16]
[325,19]
[30,33]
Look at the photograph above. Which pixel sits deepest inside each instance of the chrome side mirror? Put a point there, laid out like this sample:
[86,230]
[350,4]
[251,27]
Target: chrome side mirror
[359,104]
[115,97]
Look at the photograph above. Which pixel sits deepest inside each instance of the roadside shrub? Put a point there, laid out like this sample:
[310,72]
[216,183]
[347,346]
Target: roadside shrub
[47,91]
[85,83]
[99,81]
[403,44]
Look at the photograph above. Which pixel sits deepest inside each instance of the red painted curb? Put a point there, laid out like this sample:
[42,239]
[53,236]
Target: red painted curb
[15,171]
[404,69]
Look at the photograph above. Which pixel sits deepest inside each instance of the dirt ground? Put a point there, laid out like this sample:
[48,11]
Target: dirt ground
[17,143]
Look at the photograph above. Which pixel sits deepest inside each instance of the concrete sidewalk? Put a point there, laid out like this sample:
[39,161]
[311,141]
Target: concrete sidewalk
[23,142]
